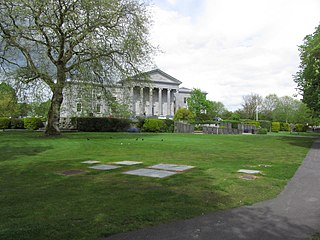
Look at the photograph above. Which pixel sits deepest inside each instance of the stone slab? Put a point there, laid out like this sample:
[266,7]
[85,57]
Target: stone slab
[91,162]
[171,167]
[104,167]
[127,163]
[249,171]
[248,177]
[150,173]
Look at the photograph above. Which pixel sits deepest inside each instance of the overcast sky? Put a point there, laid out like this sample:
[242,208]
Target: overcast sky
[231,48]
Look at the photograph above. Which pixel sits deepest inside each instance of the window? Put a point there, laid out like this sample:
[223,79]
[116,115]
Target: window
[78,107]
[185,100]
[98,108]
[98,97]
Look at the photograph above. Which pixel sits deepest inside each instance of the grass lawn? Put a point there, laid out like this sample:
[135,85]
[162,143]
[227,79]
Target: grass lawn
[38,202]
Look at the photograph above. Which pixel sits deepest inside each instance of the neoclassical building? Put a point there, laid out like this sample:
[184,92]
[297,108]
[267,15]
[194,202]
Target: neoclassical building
[160,96]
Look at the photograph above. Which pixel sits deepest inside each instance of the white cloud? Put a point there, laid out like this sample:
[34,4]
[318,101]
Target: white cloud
[233,48]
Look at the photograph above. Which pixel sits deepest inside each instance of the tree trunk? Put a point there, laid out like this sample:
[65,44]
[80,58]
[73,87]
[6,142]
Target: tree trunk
[56,101]
[54,113]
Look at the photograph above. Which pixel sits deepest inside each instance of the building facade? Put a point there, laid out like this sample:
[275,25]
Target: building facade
[160,96]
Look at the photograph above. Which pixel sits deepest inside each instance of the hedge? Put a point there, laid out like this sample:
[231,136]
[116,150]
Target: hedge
[33,123]
[94,124]
[153,125]
[4,123]
[300,128]
[284,127]
[275,126]
[265,124]
[262,131]
[17,123]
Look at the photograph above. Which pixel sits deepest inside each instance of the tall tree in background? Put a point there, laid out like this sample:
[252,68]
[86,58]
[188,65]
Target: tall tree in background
[49,41]
[251,104]
[8,101]
[308,76]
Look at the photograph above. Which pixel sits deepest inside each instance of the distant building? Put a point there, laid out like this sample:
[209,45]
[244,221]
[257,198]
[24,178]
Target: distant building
[161,96]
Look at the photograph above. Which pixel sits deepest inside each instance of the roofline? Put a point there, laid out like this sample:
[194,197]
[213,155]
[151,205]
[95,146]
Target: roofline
[165,74]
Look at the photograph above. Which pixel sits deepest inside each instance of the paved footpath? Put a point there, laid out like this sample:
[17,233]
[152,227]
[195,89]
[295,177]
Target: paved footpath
[294,214]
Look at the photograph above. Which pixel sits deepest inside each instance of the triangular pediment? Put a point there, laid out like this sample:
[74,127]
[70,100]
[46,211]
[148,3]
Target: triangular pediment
[158,76]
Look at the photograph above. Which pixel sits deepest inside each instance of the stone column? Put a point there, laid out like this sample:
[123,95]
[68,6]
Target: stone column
[132,101]
[168,102]
[150,101]
[141,101]
[160,101]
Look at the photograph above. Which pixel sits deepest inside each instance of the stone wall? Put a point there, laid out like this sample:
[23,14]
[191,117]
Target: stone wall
[182,127]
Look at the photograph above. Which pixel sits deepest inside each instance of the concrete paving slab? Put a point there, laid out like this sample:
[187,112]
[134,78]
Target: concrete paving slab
[91,162]
[104,167]
[150,173]
[249,171]
[171,167]
[129,163]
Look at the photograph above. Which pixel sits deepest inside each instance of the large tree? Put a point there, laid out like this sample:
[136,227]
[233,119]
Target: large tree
[308,76]
[51,41]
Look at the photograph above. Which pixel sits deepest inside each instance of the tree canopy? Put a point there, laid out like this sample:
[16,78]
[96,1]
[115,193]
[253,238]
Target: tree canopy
[50,42]
[8,101]
[308,76]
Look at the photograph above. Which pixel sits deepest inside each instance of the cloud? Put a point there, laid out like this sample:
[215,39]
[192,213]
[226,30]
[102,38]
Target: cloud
[232,48]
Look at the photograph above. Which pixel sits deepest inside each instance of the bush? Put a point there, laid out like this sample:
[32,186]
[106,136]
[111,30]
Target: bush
[275,126]
[262,131]
[301,128]
[265,124]
[183,114]
[33,123]
[153,125]
[4,123]
[284,127]
[168,125]
[254,123]
[94,124]
[17,123]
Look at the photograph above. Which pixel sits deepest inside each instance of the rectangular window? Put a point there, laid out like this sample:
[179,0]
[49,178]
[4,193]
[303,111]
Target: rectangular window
[78,107]
[98,108]
[185,100]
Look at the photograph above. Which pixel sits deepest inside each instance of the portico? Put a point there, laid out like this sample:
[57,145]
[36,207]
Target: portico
[156,97]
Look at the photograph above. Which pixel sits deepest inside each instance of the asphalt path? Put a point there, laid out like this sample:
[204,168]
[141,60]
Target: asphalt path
[293,214]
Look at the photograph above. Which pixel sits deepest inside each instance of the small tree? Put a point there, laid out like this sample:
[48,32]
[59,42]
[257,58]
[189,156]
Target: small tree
[197,103]
[183,114]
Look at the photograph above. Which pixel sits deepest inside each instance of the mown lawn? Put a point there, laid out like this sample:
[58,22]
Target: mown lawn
[38,202]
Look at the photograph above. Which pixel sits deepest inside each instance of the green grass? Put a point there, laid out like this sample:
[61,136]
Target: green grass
[37,202]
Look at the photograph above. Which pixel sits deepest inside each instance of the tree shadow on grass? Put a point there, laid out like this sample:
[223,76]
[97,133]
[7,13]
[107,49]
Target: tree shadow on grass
[305,142]
[9,152]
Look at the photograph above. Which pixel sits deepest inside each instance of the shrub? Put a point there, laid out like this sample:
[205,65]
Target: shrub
[265,124]
[255,123]
[153,125]
[301,128]
[4,123]
[94,124]
[17,123]
[183,114]
[275,126]
[168,125]
[32,123]
[284,127]
[262,131]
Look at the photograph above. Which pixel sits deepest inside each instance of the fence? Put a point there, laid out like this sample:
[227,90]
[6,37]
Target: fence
[182,127]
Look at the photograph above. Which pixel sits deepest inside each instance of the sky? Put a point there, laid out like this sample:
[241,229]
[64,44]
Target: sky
[232,48]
